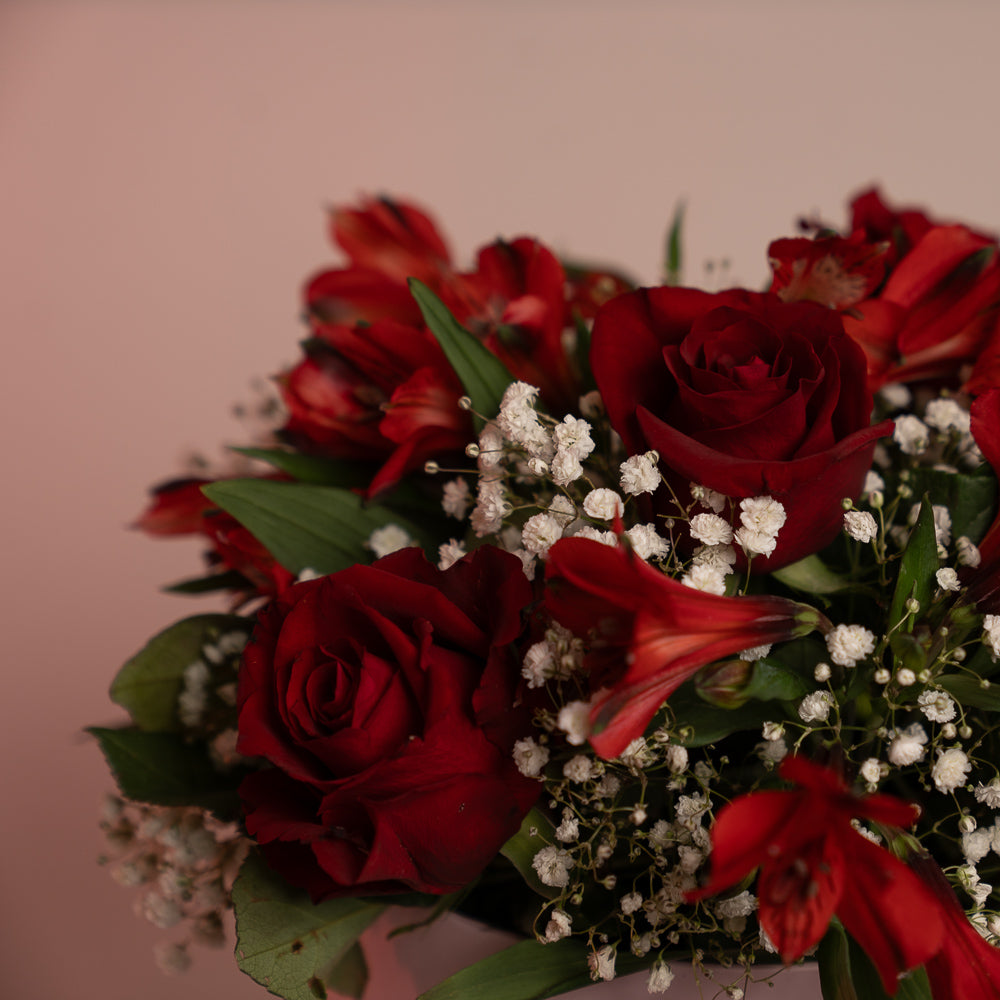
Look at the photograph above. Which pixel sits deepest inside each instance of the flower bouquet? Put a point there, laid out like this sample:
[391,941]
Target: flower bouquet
[657,625]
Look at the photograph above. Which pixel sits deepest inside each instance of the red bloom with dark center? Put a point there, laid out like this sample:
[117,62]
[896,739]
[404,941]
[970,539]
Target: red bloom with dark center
[814,864]
[937,308]
[383,696]
[651,633]
[744,394]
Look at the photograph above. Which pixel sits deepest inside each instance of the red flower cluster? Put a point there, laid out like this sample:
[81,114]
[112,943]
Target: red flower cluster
[922,298]
[382,696]
[375,385]
[814,864]
[744,394]
[652,633]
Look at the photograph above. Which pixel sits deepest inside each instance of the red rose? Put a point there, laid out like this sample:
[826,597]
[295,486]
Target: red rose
[744,394]
[383,697]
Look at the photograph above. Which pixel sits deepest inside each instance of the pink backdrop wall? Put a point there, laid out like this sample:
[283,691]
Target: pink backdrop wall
[163,172]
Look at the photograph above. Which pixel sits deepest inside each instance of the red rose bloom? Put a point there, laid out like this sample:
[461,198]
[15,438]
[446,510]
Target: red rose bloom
[744,394]
[382,696]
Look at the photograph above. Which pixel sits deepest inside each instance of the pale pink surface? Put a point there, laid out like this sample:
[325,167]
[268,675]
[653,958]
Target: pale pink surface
[163,171]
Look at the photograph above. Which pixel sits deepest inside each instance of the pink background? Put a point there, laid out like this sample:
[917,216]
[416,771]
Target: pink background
[164,167]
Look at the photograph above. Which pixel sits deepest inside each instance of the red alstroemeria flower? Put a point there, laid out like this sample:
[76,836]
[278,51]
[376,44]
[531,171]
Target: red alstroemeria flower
[966,965]
[652,632]
[814,864]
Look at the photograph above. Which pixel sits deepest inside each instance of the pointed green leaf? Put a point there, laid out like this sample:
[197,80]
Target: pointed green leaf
[674,255]
[835,965]
[290,945]
[305,526]
[525,971]
[535,833]
[971,498]
[312,468]
[162,769]
[918,566]
[969,691]
[147,686]
[773,681]
[229,580]
[812,576]
[482,374]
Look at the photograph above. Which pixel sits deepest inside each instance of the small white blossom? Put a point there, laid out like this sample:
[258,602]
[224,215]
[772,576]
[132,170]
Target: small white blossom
[540,533]
[710,529]
[905,677]
[911,434]
[991,634]
[602,963]
[754,653]
[947,579]
[676,758]
[950,769]
[762,514]
[968,554]
[569,829]
[639,474]
[578,769]
[989,794]
[171,957]
[449,553]
[519,423]
[860,525]
[871,771]
[848,644]
[772,751]
[660,978]
[705,578]
[539,664]
[630,903]
[756,543]
[637,755]
[552,865]
[708,498]
[457,498]
[566,469]
[560,925]
[646,543]
[937,706]
[388,539]
[490,448]
[192,700]
[908,746]
[822,672]
[608,538]
[574,721]
[717,557]
[942,524]
[976,844]
[816,707]
[562,508]
[945,415]
[874,483]
[773,731]
[530,757]
[491,506]
[741,905]
[603,504]
[573,437]
[161,911]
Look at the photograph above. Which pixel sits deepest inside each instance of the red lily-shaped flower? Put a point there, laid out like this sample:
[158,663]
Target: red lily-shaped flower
[967,965]
[814,864]
[652,632]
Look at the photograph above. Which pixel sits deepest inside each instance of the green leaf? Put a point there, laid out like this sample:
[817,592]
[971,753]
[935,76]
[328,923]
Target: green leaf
[148,684]
[482,374]
[969,692]
[971,498]
[710,723]
[290,945]
[302,525]
[812,576]
[773,681]
[536,831]
[868,984]
[835,964]
[525,971]
[918,566]
[674,256]
[312,468]
[229,580]
[349,976]
[162,769]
